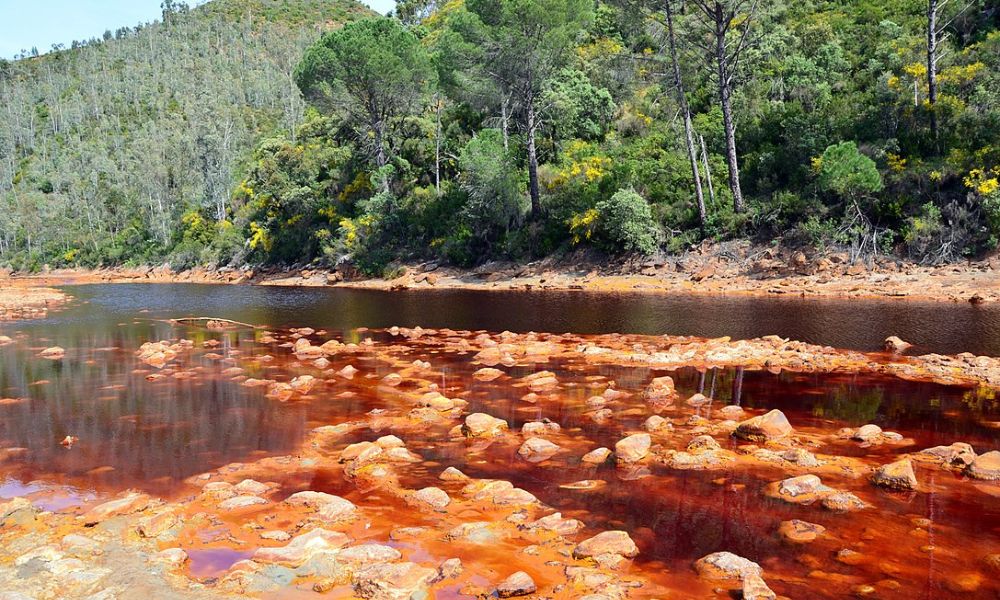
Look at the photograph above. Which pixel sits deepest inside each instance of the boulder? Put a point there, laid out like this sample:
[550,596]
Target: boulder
[434,497]
[895,345]
[128,504]
[368,554]
[239,502]
[754,588]
[556,524]
[633,448]
[898,475]
[868,433]
[772,425]
[452,474]
[607,542]
[842,502]
[518,584]
[656,423]
[985,466]
[392,581]
[803,485]
[330,507]
[596,456]
[483,425]
[958,454]
[155,525]
[703,443]
[726,565]
[302,548]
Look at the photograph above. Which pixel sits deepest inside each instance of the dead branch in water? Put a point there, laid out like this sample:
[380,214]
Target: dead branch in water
[215,322]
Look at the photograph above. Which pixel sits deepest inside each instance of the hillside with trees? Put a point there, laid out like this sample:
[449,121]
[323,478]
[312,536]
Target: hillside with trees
[128,147]
[471,130]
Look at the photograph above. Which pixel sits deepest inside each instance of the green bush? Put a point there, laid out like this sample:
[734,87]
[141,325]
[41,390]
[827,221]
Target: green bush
[626,224]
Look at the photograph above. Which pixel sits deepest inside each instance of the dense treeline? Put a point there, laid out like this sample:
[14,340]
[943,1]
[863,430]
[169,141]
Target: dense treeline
[126,148]
[476,129]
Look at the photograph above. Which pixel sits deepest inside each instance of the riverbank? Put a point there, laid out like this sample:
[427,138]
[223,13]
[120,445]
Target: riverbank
[726,269]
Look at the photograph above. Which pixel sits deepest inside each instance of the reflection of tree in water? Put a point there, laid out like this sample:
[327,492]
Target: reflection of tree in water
[144,431]
[850,404]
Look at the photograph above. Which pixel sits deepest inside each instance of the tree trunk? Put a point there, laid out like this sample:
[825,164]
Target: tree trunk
[932,58]
[688,128]
[505,120]
[725,97]
[708,171]
[437,147]
[536,204]
[381,158]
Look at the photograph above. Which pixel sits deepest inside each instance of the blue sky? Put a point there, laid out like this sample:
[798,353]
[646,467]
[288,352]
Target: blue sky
[41,23]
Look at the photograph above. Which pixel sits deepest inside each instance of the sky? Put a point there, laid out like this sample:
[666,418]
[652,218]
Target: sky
[41,23]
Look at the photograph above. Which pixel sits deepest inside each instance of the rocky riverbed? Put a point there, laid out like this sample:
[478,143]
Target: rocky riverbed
[475,465]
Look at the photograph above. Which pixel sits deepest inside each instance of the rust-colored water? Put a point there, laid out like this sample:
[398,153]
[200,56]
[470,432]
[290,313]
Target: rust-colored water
[151,435]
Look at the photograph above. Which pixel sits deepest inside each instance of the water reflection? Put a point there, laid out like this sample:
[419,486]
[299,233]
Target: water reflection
[858,324]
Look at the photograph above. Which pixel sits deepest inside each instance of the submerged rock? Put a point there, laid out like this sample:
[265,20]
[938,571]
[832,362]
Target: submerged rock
[800,532]
[770,426]
[537,449]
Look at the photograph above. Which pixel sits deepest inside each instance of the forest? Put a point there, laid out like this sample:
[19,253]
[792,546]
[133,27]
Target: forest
[297,131]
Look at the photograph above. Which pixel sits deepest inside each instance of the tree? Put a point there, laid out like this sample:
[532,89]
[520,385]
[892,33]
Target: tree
[523,43]
[936,35]
[726,19]
[372,71]
[846,172]
[686,113]
[491,182]
[579,109]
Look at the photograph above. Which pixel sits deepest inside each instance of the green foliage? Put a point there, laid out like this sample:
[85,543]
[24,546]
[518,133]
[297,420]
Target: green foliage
[191,141]
[295,194]
[844,171]
[578,108]
[372,71]
[493,183]
[625,223]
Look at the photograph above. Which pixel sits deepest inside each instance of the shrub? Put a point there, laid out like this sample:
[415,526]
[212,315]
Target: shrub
[626,224]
